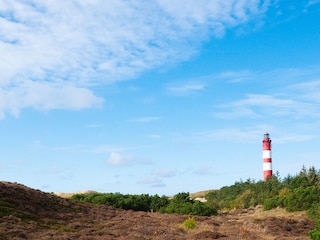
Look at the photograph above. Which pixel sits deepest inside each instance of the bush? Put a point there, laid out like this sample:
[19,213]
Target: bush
[190,223]
[315,234]
[303,198]
[314,211]
[182,204]
[276,201]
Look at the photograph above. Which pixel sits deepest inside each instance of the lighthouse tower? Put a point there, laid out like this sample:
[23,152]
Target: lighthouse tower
[266,154]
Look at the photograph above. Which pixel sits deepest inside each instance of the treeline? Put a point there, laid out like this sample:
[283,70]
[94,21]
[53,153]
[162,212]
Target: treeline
[294,193]
[180,203]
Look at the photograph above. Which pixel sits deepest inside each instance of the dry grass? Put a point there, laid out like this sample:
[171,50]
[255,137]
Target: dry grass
[69,195]
[31,214]
[199,194]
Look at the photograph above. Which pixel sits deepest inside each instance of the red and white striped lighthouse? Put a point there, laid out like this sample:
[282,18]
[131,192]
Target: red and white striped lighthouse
[266,154]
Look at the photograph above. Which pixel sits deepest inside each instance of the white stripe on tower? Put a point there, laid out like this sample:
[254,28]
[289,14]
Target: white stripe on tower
[266,155]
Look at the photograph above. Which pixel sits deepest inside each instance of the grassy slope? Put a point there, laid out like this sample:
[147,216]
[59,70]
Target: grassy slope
[26,213]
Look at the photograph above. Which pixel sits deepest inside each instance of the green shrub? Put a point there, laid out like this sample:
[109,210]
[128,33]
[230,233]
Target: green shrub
[315,234]
[273,202]
[183,204]
[303,198]
[314,211]
[190,223]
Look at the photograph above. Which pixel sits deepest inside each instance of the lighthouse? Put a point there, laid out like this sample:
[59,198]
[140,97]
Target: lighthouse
[266,154]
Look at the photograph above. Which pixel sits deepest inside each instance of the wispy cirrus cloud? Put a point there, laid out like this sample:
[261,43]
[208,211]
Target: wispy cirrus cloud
[312,2]
[308,91]
[145,119]
[72,46]
[121,159]
[296,95]
[256,105]
[260,105]
[251,134]
[117,159]
[185,88]
[285,76]
[157,177]
[164,172]
[232,134]
[107,149]
[150,180]
[236,76]
[204,170]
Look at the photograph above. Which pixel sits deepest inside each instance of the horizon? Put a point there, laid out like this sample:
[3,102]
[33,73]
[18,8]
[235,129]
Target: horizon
[159,97]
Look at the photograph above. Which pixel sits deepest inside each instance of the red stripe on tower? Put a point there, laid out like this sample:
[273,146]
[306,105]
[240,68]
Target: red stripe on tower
[266,154]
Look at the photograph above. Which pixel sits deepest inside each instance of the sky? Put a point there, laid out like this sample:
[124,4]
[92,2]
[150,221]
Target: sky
[159,96]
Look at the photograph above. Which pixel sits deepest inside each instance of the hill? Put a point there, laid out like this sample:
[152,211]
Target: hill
[27,213]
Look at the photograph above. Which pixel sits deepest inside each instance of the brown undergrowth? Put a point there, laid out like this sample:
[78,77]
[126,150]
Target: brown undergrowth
[26,213]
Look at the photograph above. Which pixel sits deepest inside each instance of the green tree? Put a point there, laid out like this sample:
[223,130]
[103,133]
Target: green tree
[303,198]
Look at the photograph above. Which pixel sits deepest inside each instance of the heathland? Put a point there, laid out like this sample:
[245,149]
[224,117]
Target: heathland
[276,209]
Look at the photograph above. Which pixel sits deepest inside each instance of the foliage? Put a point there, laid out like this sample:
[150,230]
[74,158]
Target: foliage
[273,202]
[302,198]
[143,202]
[226,196]
[295,193]
[181,203]
[190,223]
[314,211]
[244,199]
[315,234]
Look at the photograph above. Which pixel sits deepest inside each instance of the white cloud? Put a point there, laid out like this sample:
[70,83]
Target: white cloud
[156,178]
[117,159]
[186,88]
[312,2]
[155,136]
[296,95]
[253,134]
[107,149]
[308,91]
[233,134]
[237,112]
[65,47]
[289,137]
[255,106]
[92,125]
[217,15]
[150,180]
[236,76]
[120,159]
[204,170]
[145,119]
[165,172]
[45,96]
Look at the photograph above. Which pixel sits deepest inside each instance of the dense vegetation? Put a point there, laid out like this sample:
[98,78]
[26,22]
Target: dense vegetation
[180,203]
[294,193]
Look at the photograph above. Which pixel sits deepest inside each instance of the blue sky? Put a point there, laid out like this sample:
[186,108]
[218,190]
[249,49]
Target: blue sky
[157,96]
